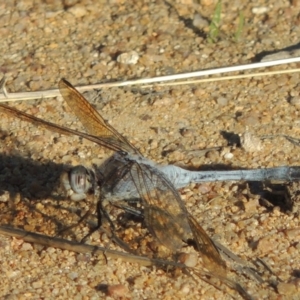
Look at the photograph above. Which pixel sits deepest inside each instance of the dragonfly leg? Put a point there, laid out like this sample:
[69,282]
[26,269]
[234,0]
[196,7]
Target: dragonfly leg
[103,215]
[62,231]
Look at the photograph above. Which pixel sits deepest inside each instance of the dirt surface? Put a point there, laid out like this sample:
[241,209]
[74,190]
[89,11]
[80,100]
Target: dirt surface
[82,41]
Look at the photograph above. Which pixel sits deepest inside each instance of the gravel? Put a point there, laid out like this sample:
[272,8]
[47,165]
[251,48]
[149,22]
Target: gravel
[81,41]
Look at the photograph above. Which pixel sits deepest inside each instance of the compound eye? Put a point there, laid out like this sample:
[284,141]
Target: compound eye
[79,180]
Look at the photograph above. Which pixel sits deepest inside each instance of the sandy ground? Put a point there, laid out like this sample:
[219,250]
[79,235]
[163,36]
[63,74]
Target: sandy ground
[81,40]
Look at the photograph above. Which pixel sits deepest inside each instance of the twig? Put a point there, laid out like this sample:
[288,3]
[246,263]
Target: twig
[96,250]
[55,242]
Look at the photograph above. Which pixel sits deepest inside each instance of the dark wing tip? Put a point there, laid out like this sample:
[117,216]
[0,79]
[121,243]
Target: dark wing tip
[65,84]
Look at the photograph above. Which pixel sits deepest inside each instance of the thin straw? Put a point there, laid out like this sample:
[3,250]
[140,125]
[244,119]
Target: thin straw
[55,92]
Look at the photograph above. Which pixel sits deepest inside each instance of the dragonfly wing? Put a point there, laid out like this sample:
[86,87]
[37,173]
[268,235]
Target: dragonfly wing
[212,259]
[164,211]
[167,217]
[106,142]
[45,124]
[92,120]
[205,245]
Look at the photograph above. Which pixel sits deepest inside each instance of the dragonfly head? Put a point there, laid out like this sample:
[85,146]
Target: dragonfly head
[81,180]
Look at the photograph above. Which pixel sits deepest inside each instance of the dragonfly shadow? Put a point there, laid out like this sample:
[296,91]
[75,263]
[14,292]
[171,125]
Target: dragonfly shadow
[272,195]
[31,193]
[28,178]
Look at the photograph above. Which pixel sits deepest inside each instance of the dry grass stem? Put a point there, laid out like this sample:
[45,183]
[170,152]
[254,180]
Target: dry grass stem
[6,97]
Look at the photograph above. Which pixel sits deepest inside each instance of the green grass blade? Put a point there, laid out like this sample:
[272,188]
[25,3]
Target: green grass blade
[239,30]
[215,23]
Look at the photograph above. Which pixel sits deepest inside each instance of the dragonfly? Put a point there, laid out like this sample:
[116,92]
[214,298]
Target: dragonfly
[129,175]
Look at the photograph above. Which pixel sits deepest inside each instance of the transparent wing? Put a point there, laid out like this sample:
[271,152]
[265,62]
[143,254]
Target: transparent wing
[212,259]
[92,120]
[166,215]
[98,130]
[56,128]
[205,245]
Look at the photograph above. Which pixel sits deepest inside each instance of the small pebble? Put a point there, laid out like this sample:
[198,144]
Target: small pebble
[265,244]
[251,206]
[117,290]
[185,288]
[293,233]
[73,275]
[286,289]
[128,58]
[4,197]
[163,101]
[222,101]
[37,284]
[295,101]
[189,259]
[26,247]
[186,132]
[78,11]
[250,143]
[259,10]
[228,155]
[199,21]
